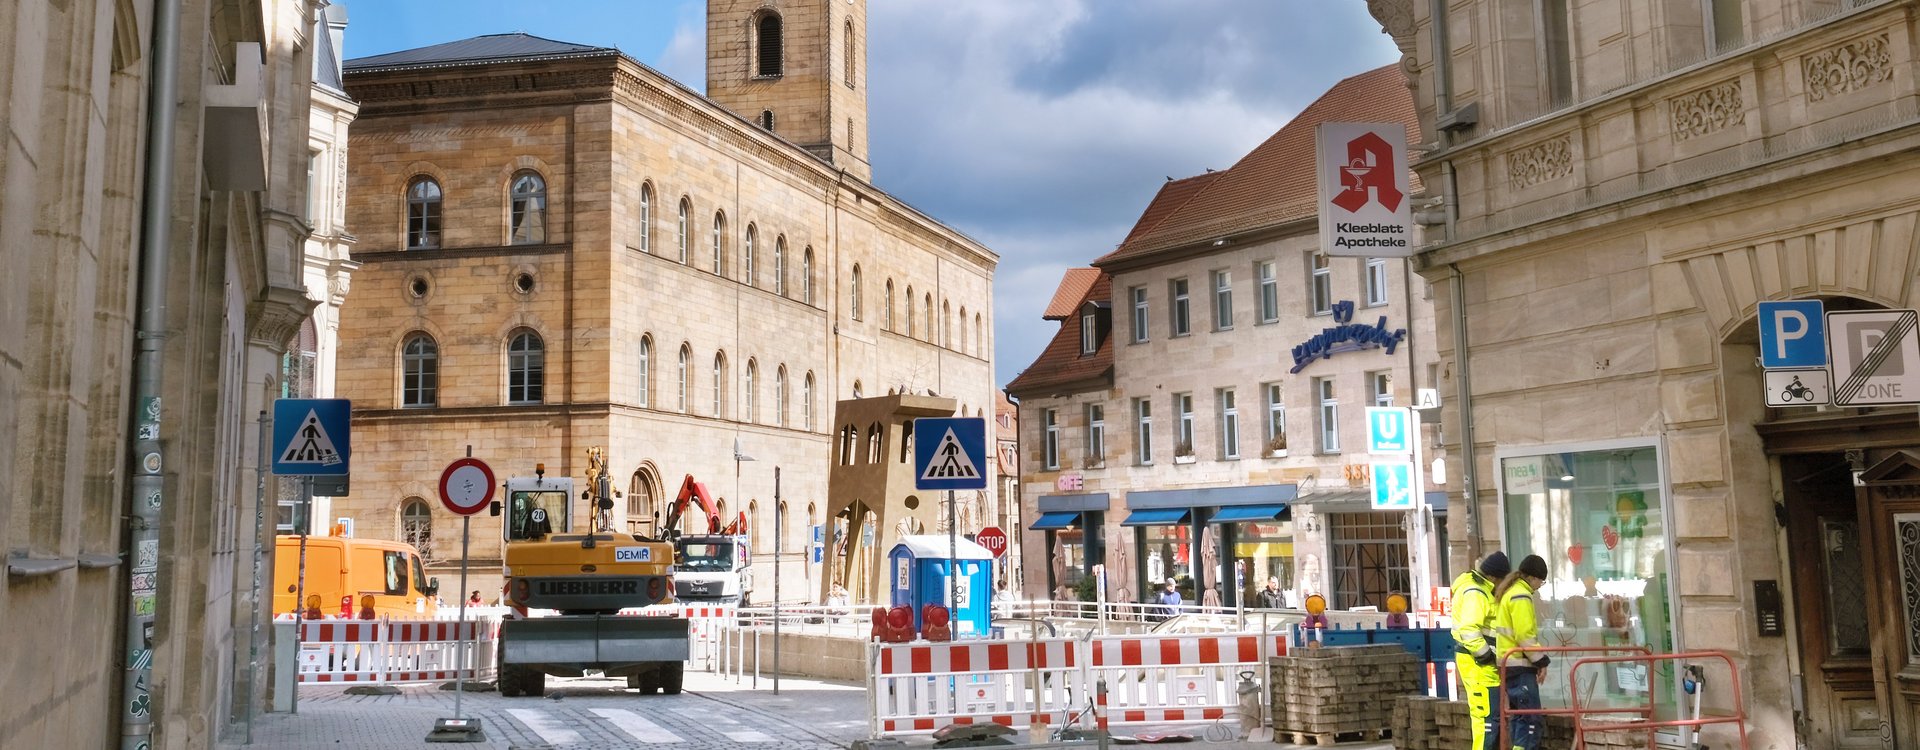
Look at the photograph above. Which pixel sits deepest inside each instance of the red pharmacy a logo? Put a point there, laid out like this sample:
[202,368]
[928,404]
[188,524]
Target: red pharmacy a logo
[1368,175]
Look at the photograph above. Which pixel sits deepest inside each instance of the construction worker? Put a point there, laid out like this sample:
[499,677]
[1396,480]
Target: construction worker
[1517,629]
[1473,643]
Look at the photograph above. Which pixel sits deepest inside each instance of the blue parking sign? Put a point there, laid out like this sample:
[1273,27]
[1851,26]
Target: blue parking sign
[1793,333]
[311,437]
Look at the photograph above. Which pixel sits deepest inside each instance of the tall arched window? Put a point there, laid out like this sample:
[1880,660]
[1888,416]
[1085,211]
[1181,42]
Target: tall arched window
[686,207]
[751,413]
[640,500]
[753,526]
[886,315]
[719,243]
[720,384]
[847,48]
[780,396]
[910,326]
[963,329]
[767,45]
[646,372]
[931,323]
[419,371]
[416,526]
[746,255]
[780,265]
[646,218]
[528,219]
[806,402]
[526,367]
[780,526]
[853,296]
[686,353]
[979,337]
[423,213]
[857,390]
[946,324]
[806,275]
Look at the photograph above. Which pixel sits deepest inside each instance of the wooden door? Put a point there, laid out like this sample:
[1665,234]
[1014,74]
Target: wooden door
[1833,617]
[1893,494]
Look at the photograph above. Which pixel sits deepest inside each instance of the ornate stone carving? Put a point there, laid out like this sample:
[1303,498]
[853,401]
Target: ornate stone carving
[1550,159]
[1395,17]
[275,316]
[1708,110]
[1847,67]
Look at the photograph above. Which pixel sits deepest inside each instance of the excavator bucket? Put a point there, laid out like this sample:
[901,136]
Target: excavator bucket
[573,643]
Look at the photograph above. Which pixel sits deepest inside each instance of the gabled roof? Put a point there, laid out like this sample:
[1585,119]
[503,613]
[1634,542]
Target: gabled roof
[1274,183]
[480,49]
[1061,363]
[1072,290]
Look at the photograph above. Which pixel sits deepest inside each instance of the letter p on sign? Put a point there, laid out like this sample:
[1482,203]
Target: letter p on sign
[1793,334]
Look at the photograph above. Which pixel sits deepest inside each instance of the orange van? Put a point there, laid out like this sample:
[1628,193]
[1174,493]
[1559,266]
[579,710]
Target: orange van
[342,571]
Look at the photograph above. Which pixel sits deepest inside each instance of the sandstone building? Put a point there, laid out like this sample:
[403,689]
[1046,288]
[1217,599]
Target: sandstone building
[1166,431]
[131,522]
[561,248]
[1625,182]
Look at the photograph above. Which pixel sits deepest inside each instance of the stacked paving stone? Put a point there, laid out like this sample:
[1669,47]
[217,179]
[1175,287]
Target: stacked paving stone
[1320,694]
[1424,723]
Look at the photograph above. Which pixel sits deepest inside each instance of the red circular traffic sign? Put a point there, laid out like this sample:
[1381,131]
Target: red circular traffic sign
[993,539]
[466,486]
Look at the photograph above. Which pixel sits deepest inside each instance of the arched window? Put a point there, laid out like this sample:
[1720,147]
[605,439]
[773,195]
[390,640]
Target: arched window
[746,255]
[979,337]
[806,402]
[646,218]
[767,45]
[910,326]
[931,323]
[780,265]
[528,219]
[963,329]
[419,371]
[853,297]
[780,396]
[720,384]
[686,207]
[753,526]
[751,412]
[846,43]
[416,526]
[423,213]
[780,526]
[857,390]
[526,367]
[719,243]
[686,353]
[886,315]
[640,500]
[806,275]
[646,372]
[946,323]
[766,120]
[874,453]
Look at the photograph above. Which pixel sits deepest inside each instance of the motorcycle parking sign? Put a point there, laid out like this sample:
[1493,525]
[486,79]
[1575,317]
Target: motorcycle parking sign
[1798,387]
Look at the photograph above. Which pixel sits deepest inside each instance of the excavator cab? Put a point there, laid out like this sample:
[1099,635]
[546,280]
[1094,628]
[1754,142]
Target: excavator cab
[533,514]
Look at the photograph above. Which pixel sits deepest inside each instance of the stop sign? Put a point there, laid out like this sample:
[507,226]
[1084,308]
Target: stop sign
[993,539]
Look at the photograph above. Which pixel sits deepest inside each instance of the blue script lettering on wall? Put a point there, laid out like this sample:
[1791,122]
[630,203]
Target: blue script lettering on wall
[1346,336]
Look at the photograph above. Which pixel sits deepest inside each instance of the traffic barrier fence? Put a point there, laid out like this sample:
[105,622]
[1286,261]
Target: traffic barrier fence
[392,652]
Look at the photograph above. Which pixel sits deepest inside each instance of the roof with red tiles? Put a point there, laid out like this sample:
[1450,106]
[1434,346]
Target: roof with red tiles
[1062,364]
[1072,289]
[1274,183]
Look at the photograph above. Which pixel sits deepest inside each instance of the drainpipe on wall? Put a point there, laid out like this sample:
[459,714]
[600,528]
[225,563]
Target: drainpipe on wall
[147,484]
[1462,375]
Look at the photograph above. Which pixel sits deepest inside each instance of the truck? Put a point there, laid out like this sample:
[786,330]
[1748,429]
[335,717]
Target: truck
[713,567]
[349,577]
[585,578]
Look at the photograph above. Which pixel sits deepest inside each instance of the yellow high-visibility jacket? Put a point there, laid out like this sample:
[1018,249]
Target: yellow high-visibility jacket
[1517,626]
[1473,614]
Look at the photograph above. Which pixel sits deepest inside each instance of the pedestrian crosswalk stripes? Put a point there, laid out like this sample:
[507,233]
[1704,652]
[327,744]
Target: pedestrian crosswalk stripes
[554,730]
[636,726]
[561,727]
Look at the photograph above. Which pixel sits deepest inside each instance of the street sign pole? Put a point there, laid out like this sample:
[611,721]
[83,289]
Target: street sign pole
[953,557]
[460,654]
[305,523]
[779,526]
[465,487]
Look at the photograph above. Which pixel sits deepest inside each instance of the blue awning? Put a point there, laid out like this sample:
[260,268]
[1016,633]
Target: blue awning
[1236,513]
[1156,517]
[1056,521]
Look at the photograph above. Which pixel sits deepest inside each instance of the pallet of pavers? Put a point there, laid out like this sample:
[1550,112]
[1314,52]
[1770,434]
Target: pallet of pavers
[1426,723]
[1339,693]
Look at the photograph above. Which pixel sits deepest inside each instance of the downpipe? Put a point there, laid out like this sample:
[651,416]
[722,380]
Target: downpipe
[148,483]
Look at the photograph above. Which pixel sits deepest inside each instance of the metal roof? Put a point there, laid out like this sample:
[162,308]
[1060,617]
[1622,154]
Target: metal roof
[477,50]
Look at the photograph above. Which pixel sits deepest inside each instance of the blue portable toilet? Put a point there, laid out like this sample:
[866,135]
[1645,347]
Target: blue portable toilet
[920,567]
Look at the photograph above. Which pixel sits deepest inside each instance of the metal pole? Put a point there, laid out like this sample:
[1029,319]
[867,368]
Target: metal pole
[779,526]
[260,595]
[1463,375]
[953,559]
[460,654]
[304,522]
[148,484]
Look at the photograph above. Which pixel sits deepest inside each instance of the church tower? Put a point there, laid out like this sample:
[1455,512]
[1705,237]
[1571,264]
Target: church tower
[796,67]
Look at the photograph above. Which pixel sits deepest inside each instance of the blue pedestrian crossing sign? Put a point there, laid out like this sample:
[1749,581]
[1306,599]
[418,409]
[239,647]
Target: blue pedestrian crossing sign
[1793,333]
[1393,486]
[950,453]
[311,437]
[1389,430]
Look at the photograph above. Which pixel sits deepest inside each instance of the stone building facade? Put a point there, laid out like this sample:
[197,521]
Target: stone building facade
[109,642]
[561,248]
[1624,183]
[1168,433]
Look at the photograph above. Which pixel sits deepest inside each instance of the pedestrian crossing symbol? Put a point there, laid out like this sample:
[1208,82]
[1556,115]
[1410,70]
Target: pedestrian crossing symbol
[952,461]
[310,437]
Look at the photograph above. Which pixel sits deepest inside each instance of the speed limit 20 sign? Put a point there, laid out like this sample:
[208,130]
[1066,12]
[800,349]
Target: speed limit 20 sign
[466,486]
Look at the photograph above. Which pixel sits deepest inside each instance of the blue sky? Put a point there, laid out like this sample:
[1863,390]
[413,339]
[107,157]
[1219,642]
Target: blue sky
[1039,127]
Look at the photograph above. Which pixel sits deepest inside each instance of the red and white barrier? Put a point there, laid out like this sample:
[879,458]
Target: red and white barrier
[388,652]
[1175,678]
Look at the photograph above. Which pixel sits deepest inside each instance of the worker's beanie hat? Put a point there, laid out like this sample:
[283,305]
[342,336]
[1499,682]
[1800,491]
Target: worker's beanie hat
[1496,566]
[1534,566]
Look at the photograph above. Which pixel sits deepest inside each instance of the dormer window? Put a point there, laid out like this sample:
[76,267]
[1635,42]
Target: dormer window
[1089,331]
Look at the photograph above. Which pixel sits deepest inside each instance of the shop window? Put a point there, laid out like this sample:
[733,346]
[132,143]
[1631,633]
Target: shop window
[1265,550]
[1369,558]
[1599,519]
[1168,554]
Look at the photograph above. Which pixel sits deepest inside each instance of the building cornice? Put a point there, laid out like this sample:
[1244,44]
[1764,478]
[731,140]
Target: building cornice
[460,253]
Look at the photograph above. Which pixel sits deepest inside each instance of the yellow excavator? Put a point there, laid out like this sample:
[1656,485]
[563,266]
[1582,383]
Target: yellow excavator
[587,579]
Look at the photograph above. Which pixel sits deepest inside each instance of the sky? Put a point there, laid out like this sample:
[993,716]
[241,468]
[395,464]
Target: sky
[1039,127]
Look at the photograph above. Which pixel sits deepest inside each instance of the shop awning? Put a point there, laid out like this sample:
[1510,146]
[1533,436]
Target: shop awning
[1238,513]
[1156,517]
[1056,521]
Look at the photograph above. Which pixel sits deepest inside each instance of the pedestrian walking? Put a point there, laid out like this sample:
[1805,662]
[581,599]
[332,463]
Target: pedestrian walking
[1473,643]
[1170,600]
[1517,629]
[1272,597]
